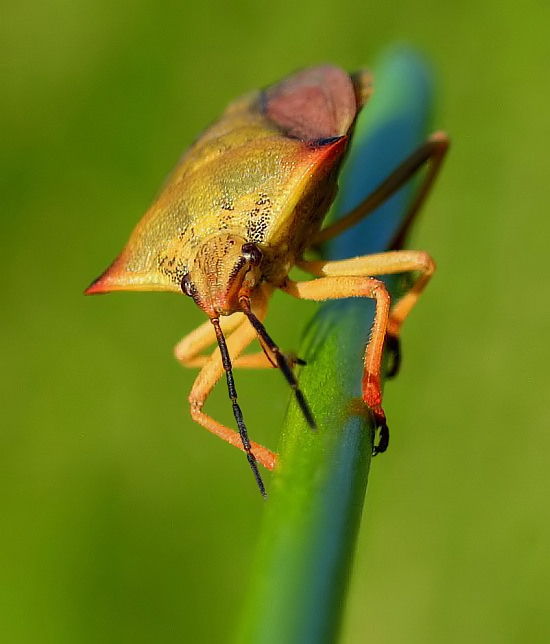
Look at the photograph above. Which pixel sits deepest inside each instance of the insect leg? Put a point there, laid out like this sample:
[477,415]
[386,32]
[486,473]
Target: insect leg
[337,287]
[398,261]
[209,375]
[189,350]
[432,151]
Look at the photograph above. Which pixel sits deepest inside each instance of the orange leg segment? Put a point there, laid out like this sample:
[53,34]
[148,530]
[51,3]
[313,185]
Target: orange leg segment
[353,277]
[240,335]
[189,350]
[337,287]
[390,263]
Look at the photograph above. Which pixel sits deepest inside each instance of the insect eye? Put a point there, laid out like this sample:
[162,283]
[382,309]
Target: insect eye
[252,253]
[187,286]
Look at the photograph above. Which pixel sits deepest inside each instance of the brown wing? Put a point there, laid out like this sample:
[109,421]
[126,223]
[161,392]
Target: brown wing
[316,103]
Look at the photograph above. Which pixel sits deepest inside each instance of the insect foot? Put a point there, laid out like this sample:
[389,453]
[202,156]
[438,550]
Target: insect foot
[372,396]
[384,436]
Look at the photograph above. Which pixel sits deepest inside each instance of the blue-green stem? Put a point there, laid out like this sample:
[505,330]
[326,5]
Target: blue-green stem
[304,556]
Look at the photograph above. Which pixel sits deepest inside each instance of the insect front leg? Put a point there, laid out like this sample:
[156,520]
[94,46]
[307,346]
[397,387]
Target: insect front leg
[209,375]
[338,287]
[189,350]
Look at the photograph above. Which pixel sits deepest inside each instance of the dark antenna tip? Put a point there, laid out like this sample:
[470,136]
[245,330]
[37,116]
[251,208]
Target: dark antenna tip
[282,362]
[226,361]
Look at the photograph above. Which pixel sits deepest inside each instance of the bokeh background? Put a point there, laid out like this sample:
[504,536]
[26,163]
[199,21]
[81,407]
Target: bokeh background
[121,520]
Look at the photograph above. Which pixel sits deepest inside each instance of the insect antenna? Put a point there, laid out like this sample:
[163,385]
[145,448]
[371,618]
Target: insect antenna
[282,361]
[226,361]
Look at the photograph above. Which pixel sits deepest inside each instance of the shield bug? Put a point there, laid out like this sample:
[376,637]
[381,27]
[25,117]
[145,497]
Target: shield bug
[242,207]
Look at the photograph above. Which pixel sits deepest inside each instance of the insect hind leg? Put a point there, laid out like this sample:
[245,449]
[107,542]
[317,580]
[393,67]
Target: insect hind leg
[432,152]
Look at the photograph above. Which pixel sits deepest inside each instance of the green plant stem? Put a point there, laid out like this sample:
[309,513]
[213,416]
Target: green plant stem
[316,497]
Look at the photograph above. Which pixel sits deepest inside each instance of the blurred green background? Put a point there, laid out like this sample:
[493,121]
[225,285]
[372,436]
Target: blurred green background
[121,520]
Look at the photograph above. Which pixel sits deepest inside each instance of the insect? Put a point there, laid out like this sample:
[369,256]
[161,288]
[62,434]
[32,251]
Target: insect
[242,207]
